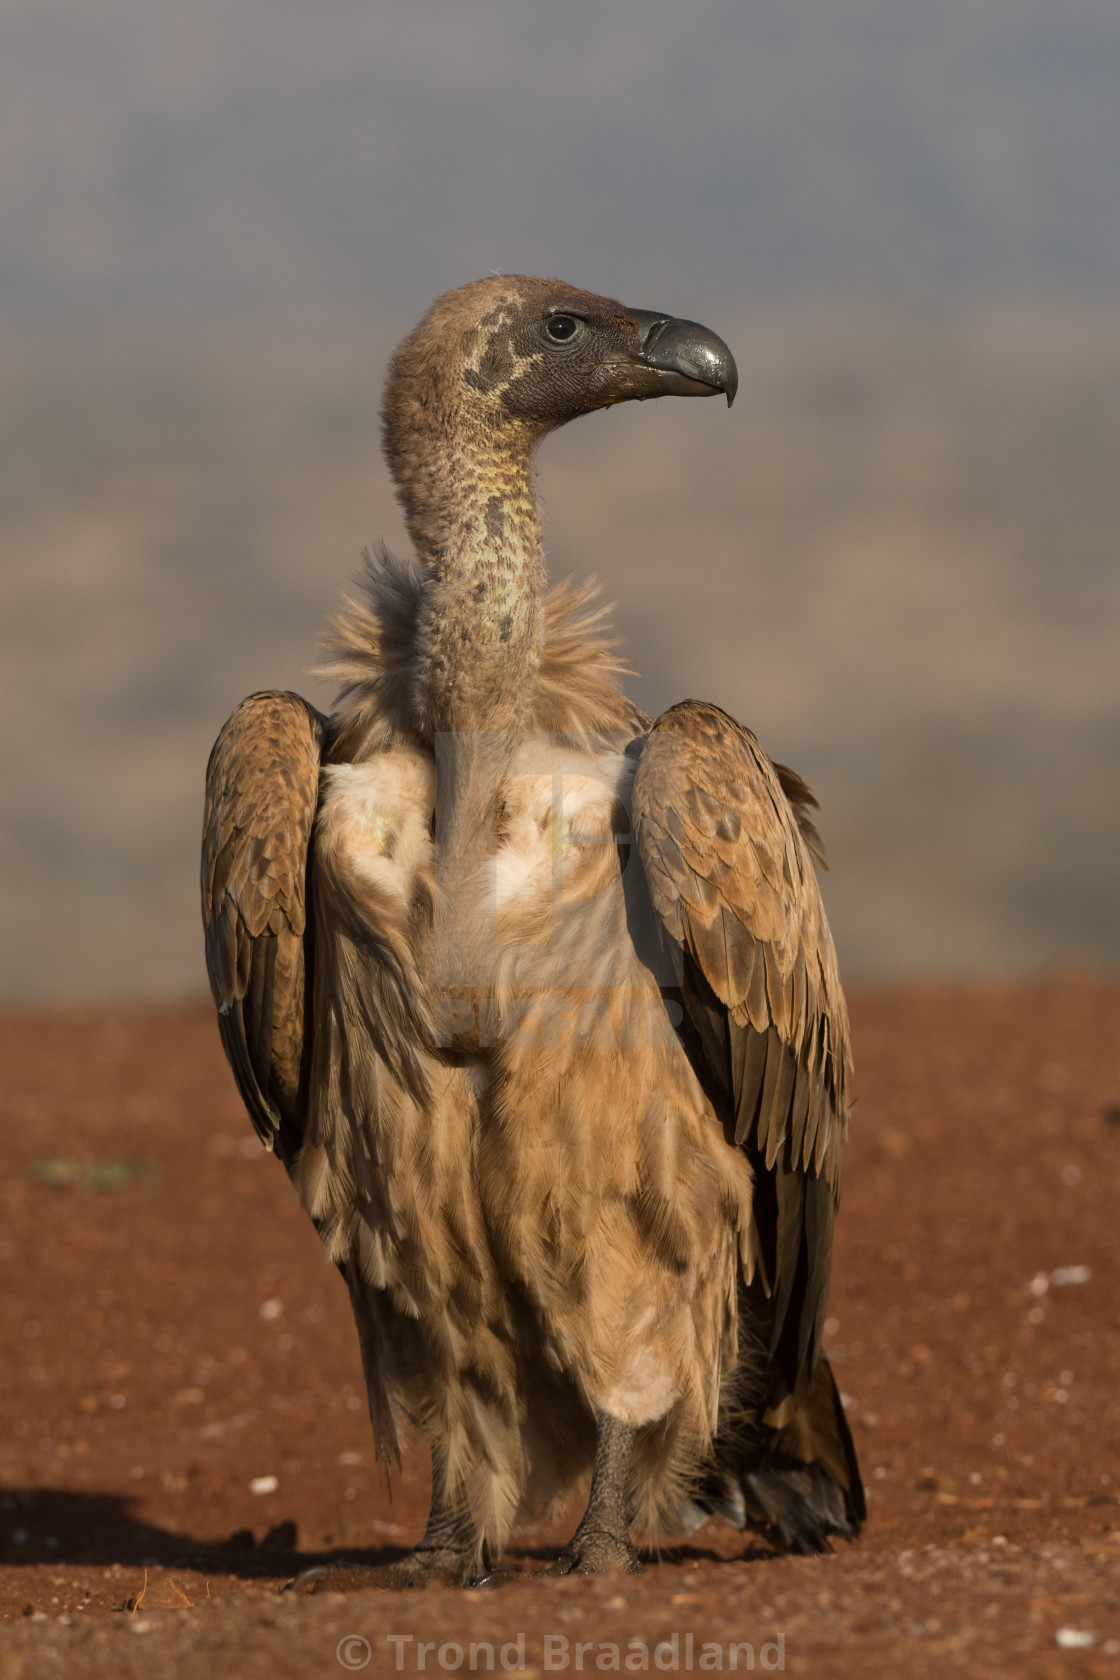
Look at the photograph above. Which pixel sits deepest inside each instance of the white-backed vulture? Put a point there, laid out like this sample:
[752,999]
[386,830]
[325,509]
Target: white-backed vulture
[536,1000]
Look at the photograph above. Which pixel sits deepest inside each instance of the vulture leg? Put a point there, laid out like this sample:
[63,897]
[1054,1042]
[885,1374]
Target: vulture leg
[602,1540]
[451,1551]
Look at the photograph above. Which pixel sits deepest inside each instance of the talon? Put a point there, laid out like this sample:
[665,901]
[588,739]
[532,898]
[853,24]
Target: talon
[494,1578]
[305,1583]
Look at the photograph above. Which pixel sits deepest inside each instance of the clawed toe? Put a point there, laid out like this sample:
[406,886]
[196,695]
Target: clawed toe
[495,1578]
[310,1581]
[417,1569]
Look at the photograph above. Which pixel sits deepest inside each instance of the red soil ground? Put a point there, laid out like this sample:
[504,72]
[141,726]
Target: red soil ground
[169,1334]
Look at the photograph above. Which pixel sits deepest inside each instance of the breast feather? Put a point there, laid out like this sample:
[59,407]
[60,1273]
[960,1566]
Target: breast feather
[561,811]
[379,815]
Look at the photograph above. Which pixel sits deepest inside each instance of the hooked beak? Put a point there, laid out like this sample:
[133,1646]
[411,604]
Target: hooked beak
[688,359]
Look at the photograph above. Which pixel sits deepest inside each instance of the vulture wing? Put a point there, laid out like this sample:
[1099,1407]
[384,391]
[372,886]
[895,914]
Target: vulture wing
[727,850]
[262,787]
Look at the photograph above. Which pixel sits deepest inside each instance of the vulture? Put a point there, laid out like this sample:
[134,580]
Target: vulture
[536,1001]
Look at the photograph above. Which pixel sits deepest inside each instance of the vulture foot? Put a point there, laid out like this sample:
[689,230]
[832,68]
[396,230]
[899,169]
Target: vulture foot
[602,1540]
[451,1552]
[418,1569]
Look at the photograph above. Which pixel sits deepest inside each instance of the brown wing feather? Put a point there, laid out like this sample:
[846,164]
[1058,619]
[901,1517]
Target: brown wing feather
[262,786]
[726,849]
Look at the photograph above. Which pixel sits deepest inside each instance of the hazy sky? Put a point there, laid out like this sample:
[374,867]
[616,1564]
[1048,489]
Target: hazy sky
[898,557]
[298,157]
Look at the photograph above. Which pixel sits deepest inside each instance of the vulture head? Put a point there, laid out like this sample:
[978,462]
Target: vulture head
[497,364]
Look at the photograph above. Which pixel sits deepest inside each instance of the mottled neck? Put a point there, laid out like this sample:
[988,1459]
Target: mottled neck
[473,517]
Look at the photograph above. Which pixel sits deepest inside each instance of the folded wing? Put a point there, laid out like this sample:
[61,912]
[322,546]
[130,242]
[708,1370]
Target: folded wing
[727,848]
[262,788]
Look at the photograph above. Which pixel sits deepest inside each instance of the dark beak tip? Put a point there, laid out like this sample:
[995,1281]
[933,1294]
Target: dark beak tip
[688,350]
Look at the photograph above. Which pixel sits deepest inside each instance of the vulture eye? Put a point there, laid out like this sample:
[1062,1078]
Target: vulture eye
[562,328]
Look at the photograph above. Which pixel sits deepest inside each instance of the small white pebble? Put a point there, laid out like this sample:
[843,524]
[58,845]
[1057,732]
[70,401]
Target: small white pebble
[349,1458]
[118,1402]
[264,1484]
[1070,1175]
[832,1326]
[1075,1639]
[137,1472]
[139,1625]
[1040,1283]
[271,1309]
[1063,1276]
[353,1404]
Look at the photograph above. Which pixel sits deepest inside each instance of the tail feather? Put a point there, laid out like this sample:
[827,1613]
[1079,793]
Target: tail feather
[794,1477]
[800,1507]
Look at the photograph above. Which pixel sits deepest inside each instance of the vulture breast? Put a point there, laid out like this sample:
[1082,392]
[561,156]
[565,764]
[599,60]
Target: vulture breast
[626,1235]
[378,817]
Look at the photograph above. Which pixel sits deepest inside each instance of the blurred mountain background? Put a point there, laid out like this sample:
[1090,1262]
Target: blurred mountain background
[897,558]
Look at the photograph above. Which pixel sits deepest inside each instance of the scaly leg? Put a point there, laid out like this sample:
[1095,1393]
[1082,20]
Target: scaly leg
[602,1540]
[452,1551]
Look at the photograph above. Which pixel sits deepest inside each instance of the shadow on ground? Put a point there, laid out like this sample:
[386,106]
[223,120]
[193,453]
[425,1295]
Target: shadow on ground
[59,1526]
